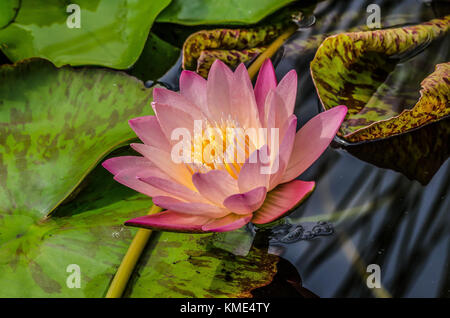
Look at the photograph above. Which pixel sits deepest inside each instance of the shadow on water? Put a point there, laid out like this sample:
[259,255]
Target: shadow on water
[386,208]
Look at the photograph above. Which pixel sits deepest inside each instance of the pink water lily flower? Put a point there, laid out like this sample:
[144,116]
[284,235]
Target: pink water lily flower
[222,195]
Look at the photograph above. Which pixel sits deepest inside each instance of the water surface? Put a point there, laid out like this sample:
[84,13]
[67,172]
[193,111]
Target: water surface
[380,216]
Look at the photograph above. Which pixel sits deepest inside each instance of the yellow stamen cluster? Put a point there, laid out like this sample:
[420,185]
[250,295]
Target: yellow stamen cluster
[220,145]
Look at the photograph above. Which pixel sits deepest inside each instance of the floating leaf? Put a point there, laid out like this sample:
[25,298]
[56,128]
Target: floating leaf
[232,46]
[88,232]
[111,33]
[351,69]
[8,12]
[55,126]
[195,12]
[176,260]
[433,105]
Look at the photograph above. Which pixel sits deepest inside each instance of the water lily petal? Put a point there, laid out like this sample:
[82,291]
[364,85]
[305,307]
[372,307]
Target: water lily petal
[147,128]
[170,221]
[170,119]
[165,96]
[287,89]
[282,199]
[276,115]
[243,103]
[163,161]
[175,189]
[228,223]
[117,164]
[215,185]
[245,203]
[264,83]
[284,153]
[251,176]
[312,140]
[126,170]
[130,178]
[218,90]
[193,87]
[194,208]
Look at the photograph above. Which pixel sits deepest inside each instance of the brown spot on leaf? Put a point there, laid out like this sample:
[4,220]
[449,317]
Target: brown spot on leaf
[48,284]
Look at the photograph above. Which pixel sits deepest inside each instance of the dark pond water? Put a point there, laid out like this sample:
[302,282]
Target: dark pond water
[379,215]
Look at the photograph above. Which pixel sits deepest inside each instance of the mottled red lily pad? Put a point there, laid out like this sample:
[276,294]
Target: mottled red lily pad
[355,68]
[232,46]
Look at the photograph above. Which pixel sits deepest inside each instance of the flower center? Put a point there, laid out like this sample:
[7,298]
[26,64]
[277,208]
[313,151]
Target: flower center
[223,145]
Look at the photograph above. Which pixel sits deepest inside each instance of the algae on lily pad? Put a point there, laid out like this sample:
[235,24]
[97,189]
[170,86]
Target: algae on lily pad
[355,69]
[109,33]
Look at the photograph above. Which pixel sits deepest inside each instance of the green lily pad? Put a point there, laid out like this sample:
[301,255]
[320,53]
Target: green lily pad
[156,59]
[8,12]
[232,46]
[195,12]
[35,256]
[175,260]
[111,33]
[357,69]
[55,126]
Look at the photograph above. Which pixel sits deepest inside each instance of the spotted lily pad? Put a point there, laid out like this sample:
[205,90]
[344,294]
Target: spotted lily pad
[176,260]
[354,69]
[110,33]
[232,46]
[195,12]
[55,126]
